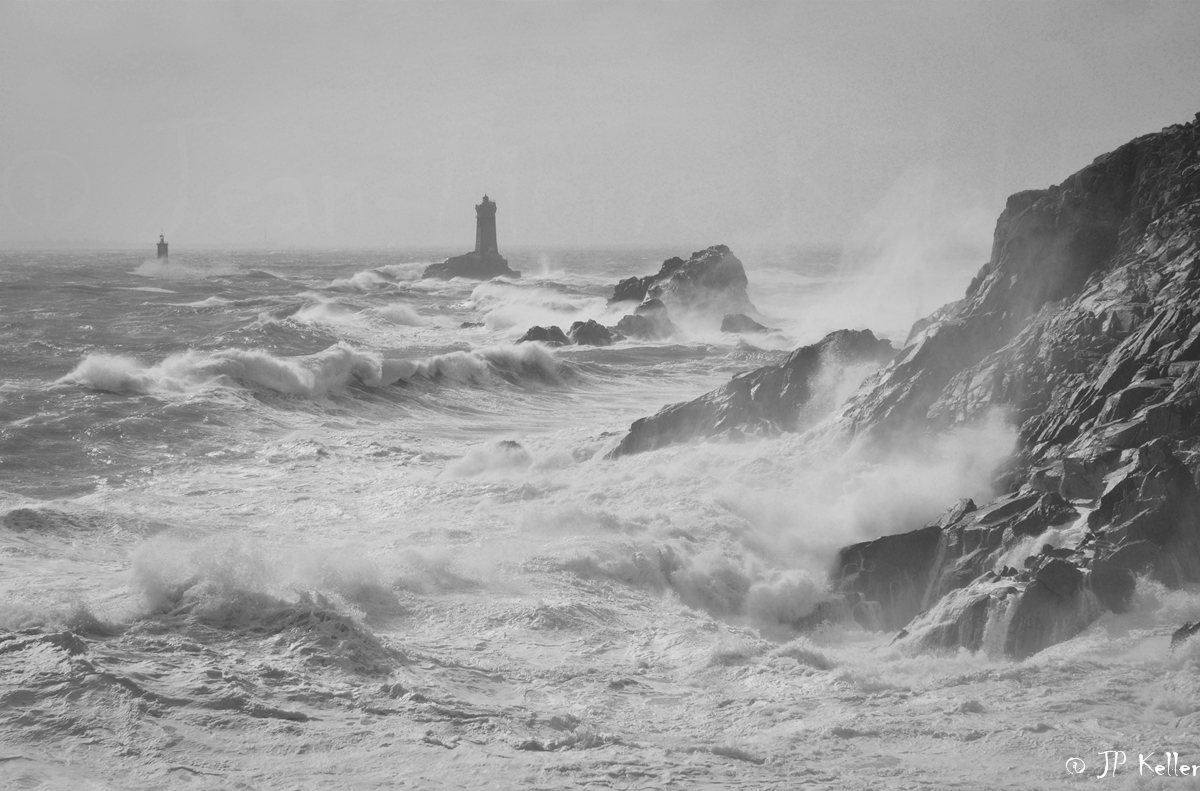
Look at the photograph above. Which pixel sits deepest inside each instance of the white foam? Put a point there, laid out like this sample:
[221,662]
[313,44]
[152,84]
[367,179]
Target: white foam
[314,374]
[362,282]
[310,375]
[400,313]
[517,307]
[483,366]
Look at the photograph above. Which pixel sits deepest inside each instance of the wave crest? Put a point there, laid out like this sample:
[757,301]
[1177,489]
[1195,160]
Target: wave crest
[308,375]
[480,366]
[311,375]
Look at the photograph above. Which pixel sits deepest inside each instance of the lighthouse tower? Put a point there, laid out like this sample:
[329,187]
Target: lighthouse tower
[485,228]
[485,262]
[162,246]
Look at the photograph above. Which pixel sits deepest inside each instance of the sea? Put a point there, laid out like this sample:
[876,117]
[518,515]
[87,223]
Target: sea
[304,520]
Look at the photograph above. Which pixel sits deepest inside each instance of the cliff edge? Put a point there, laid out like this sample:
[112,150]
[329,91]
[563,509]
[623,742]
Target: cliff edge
[1084,326]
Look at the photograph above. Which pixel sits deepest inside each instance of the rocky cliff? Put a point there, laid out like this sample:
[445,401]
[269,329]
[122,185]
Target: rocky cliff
[1084,326]
[1084,329]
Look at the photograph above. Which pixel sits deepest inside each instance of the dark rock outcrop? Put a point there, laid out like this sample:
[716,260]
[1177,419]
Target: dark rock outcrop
[472,266]
[649,321]
[1084,326]
[712,281]
[741,323]
[768,400]
[551,335]
[589,333]
[1184,633]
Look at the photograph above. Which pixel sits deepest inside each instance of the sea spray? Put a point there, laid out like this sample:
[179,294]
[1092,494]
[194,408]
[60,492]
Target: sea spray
[507,306]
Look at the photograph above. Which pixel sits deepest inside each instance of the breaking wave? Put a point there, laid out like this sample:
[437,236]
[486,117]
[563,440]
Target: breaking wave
[529,361]
[379,278]
[311,375]
[512,306]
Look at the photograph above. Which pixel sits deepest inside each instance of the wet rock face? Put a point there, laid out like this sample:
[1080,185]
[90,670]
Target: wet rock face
[1085,328]
[712,281]
[888,577]
[740,323]
[769,400]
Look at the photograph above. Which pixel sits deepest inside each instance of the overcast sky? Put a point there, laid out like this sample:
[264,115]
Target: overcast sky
[350,124]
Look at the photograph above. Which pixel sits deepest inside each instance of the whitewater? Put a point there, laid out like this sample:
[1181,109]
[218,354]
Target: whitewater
[303,520]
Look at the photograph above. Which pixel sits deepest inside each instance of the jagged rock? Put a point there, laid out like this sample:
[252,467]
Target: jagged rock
[999,346]
[768,400]
[551,335]
[969,543]
[741,323]
[649,321]
[1052,608]
[1181,634]
[589,333]
[712,281]
[1049,606]
[1084,326]
[633,289]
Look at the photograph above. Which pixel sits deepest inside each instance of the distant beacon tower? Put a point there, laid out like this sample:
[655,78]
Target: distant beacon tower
[162,243]
[485,228]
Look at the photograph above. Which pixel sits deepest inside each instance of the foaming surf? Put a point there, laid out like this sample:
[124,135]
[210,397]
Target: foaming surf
[313,375]
[357,524]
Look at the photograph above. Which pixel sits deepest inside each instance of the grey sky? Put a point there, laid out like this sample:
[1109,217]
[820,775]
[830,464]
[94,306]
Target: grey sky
[590,124]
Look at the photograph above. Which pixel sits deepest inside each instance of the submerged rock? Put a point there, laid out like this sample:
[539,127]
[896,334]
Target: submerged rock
[551,335]
[769,400]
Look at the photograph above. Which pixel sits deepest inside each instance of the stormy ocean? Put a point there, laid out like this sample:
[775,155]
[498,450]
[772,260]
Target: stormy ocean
[302,520]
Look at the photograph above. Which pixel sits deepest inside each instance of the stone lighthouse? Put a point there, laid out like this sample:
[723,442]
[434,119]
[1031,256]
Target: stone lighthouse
[485,228]
[485,261]
[162,247]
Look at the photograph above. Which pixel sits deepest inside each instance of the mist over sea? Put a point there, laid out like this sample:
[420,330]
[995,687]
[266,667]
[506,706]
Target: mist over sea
[304,520]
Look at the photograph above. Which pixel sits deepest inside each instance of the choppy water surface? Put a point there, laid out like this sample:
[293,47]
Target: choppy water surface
[302,520]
